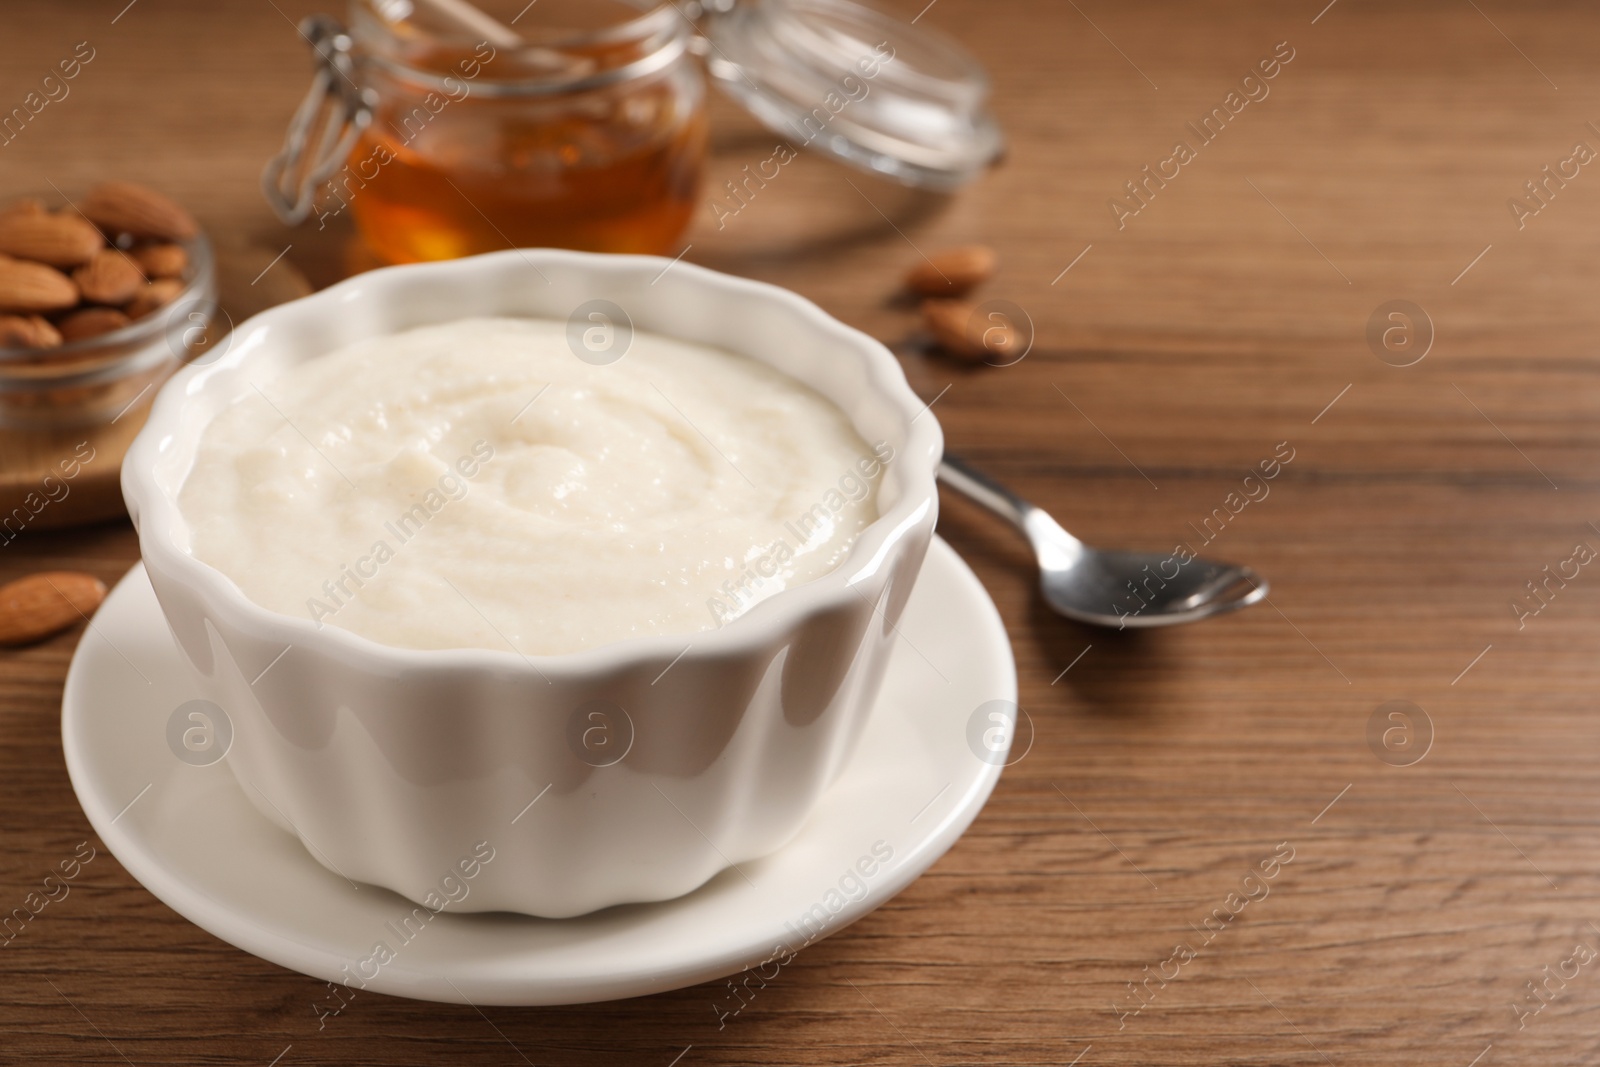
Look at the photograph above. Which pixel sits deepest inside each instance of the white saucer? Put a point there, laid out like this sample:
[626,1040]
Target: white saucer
[193,839]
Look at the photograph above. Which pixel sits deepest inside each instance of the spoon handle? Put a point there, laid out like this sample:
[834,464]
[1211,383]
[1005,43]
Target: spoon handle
[970,482]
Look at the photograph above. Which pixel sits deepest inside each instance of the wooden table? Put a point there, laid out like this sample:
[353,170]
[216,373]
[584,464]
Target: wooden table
[1171,356]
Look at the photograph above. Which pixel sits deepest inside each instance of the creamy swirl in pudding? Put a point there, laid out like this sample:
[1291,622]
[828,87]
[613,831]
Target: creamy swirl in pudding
[475,484]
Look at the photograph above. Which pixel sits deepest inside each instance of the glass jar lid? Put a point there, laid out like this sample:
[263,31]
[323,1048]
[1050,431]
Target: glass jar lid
[887,96]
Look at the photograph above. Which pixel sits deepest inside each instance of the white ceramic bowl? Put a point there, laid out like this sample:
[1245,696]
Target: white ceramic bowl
[405,768]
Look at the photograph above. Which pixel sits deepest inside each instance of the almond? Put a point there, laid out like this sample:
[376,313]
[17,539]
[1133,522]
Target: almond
[963,333]
[157,294]
[109,278]
[41,604]
[27,205]
[161,260]
[27,331]
[59,240]
[91,322]
[953,272]
[123,207]
[28,286]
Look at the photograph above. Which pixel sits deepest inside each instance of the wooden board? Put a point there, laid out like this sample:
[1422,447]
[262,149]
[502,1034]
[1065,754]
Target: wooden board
[1170,356]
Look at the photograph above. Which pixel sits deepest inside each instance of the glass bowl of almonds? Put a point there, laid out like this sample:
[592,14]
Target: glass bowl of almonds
[101,298]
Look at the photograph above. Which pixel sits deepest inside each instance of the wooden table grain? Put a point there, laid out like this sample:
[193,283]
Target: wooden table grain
[1444,912]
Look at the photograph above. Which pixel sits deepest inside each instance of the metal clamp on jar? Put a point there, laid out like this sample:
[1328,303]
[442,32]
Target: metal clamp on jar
[446,132]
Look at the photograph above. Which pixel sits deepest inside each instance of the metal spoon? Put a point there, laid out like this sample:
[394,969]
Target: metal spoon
[1108,588]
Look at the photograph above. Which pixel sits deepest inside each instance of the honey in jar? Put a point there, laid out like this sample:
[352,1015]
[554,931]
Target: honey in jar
[586,131]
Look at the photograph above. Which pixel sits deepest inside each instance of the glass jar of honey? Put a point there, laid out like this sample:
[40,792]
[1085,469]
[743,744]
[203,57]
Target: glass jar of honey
[445,128]
[591,139]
